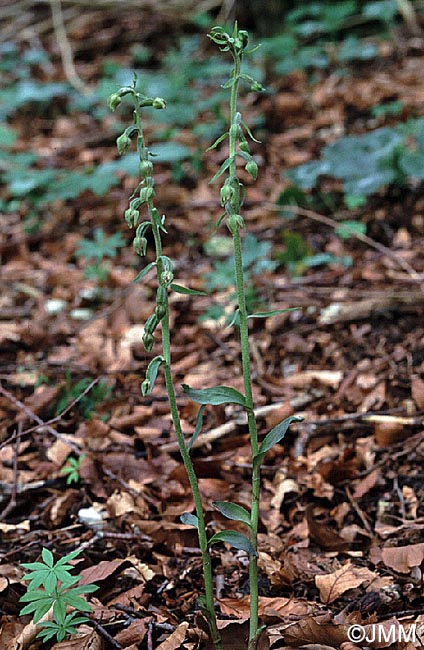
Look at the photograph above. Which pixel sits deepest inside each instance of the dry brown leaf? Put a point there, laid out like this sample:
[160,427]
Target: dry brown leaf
[310,630]
[89,641]
[175,639]
[120,503]
[403,558]
[367,483]
[102,571]
[333,585]
[134,633]
[323,535]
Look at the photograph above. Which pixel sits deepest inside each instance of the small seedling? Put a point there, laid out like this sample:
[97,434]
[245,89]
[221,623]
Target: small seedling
[57,593]
[94,251]
[72,469]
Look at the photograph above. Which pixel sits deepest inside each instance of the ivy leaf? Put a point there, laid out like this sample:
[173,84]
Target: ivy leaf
[274,436]
[235,539]
[189,520]
[217,395]
[186,291]
[143,272]
[233,511]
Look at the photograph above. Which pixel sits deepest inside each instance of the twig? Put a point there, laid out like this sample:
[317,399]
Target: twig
[315,216]
[12,502]
[49,422]
[105,634]
[65,48]
[358,510]
[40,422]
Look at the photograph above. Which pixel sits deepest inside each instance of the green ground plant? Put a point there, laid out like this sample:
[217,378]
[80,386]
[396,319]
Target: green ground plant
[232,193]
[58,593]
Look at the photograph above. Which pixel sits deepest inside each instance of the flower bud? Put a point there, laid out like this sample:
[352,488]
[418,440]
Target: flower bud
[148,341]
[151,324]
[159,103]
[166,278]
[160,311]
[227,194]
[146,193]
[145,168]
[114,101]
[140,245]
[234,223]
[244,37]
[234,131]
[123,143]
[244,146]
[145,387]
[252,169]
[131,217]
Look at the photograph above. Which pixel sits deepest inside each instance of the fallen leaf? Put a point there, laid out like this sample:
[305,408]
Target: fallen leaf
[175,639]
[403,558]
[333,585]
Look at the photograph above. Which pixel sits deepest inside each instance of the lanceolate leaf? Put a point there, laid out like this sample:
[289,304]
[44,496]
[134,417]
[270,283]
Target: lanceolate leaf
[217,141]
[215,396]
[144,272]
[235,539]
[274,312]
[198,428]
[222,169]
[185,290]
[189,520]
[233,511]
[274,436]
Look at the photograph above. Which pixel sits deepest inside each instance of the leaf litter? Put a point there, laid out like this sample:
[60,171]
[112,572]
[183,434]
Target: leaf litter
[342,522]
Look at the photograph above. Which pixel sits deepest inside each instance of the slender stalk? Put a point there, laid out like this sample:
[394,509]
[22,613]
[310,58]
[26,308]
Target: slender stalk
[247,376]
[209,606]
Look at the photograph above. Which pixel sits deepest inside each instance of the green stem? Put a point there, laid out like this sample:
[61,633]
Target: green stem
[202,535]
[166,349]
[247,378]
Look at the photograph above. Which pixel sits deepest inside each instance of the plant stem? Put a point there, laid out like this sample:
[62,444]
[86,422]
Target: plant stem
[247,378]
[166,349]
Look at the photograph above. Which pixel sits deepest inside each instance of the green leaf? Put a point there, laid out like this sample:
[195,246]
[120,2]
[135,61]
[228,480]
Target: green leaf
[348,228]
[217,395]
[274,312]
[47,557]
[235,539]
[233,511]
[189,520]
[222,169]
[186,291]
[274,436]
[144,272]
[218,141]
[199,423]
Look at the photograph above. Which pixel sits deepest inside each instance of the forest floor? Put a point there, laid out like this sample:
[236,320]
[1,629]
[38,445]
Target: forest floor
[341,537]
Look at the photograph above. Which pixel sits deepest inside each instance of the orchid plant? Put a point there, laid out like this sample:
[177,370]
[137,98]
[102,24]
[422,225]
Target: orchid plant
[232,193]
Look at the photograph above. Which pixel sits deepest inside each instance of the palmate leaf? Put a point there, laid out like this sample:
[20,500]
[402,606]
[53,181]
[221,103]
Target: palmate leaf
[47,557]
[217,395]
[235,539]
[233,511]
[273,437]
